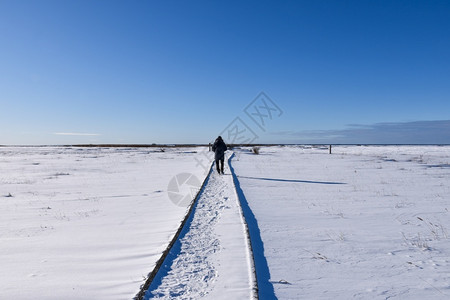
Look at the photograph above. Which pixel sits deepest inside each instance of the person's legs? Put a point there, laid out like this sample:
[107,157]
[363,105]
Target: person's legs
[222,162]
[217,165]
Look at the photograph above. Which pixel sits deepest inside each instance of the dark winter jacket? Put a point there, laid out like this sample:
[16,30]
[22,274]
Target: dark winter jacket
[219,148]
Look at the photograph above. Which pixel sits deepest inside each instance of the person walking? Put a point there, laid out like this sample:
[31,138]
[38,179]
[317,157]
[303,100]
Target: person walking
[219,149]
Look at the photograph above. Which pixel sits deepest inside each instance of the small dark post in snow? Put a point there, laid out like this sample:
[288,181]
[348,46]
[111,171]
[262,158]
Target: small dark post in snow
[210,147]
[330,149]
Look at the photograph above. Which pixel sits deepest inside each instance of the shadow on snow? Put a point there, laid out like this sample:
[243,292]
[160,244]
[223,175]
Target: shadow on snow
[291,180]
[265,287]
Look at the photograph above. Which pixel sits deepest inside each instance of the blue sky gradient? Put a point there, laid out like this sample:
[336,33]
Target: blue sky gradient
[182,71]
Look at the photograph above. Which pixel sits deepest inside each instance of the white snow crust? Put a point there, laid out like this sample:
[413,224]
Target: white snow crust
[364,222]
[86,223]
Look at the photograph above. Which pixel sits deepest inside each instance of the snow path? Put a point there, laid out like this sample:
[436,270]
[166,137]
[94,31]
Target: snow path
[211,258]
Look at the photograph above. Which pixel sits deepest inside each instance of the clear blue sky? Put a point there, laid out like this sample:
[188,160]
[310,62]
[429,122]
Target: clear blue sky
[182,71]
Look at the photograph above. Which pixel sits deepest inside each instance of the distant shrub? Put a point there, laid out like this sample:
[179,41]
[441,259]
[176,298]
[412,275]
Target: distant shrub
[255,150]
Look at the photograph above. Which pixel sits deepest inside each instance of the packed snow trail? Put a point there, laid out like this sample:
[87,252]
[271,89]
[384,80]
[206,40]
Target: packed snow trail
[212,257]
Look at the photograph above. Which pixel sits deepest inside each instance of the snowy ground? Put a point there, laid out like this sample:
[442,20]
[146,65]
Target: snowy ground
[85,223]
[364,222]
[90,223]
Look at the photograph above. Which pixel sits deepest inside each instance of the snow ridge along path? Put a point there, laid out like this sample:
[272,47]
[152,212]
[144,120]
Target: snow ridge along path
[212,256]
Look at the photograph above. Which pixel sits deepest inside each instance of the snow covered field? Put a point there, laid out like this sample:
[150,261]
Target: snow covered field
[90,223]
[85,223]
[364,222]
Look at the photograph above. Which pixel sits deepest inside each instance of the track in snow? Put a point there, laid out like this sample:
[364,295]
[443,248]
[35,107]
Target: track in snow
[212,256]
